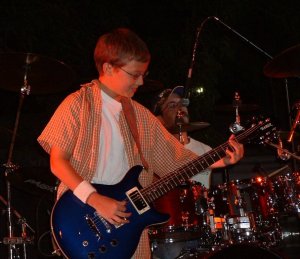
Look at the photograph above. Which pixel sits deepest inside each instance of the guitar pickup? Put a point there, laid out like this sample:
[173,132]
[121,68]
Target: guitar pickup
[137,200]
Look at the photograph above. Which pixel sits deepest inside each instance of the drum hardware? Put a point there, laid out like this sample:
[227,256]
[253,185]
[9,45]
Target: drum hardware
[284,153]
[236,126]
[281,152]
[12,240]
[278,171]
[20,69]
[240,222]
[287,186]
[217,224]
[296,122]
[179,121]
[24,239]
[285,65]
[286,190]
[21,219]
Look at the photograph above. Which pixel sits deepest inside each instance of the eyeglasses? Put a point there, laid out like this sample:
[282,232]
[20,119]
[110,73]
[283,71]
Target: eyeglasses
[136,76]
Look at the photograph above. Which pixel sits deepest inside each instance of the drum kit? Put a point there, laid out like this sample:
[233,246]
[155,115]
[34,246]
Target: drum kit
[26,73]
[204,221]
[239,218]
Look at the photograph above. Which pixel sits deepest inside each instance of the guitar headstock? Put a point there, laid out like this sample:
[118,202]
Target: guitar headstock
[258,131]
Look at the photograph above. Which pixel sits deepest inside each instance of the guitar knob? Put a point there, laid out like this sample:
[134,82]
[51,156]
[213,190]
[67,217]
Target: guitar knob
[85,243]
[114,242]
[102,249]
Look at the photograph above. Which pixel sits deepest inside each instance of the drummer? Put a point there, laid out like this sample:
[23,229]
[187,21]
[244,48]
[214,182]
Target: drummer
[172,111]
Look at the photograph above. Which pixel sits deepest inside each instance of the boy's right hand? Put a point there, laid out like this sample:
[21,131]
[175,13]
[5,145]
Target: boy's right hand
[112,210]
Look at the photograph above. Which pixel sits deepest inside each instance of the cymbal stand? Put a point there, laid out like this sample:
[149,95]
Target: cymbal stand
[236,126]
[179,121]
[11,240]
[293,148]
[285,152]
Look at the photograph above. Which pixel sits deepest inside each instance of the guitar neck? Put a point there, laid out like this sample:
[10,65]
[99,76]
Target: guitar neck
[181,175]
[178,177]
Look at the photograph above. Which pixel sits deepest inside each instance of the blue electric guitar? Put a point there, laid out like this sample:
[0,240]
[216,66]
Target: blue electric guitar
[80,232]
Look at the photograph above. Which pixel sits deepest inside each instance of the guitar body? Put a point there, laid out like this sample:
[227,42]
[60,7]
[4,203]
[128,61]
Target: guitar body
[80,233]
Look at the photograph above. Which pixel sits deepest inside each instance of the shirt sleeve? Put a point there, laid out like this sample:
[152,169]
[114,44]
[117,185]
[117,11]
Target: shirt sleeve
[62,129]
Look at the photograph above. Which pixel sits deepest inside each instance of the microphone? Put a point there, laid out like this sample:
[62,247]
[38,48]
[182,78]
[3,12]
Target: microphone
[296,121]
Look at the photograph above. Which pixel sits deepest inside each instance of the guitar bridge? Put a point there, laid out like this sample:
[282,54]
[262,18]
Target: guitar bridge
[137,200]
[93,226]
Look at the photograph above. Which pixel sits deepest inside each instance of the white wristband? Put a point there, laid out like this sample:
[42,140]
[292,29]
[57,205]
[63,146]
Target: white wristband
[83,191]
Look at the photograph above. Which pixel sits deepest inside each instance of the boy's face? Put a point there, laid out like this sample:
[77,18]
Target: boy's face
[170,109]
[125,80]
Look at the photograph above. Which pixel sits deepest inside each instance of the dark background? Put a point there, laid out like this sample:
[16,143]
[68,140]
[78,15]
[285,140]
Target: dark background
[226,61]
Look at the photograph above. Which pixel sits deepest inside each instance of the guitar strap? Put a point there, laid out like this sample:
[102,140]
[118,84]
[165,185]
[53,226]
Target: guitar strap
[131,121]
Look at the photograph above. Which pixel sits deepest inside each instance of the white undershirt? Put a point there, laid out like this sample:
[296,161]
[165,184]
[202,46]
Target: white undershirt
[112,163]
[200,148]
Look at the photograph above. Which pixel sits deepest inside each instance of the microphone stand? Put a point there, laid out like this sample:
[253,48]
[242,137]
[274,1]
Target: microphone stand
[190,70]
[242,37]
[269,56]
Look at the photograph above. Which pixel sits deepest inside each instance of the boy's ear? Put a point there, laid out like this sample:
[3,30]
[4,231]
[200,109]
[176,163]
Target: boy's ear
[107,68]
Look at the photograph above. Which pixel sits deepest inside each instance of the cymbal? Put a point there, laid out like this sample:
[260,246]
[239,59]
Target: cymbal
[242,107]
[190,127]
[44,75]
[286,64]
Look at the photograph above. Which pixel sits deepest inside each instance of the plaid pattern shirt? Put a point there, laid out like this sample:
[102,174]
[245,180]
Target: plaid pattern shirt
[75,128]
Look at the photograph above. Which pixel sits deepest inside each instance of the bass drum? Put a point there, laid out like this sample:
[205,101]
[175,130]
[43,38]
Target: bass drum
[244,251]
